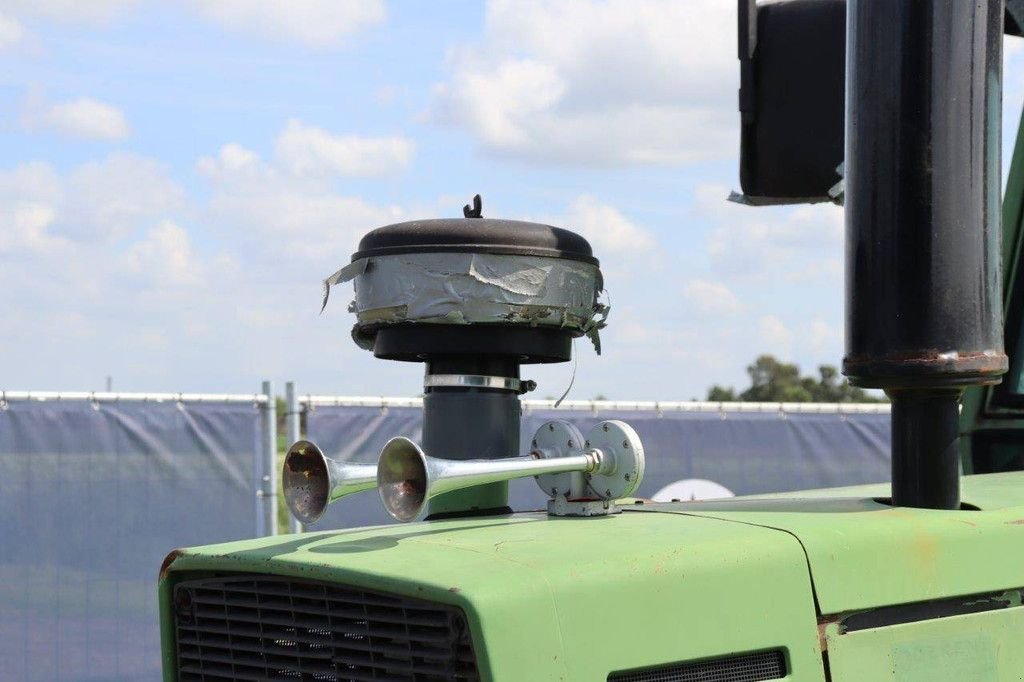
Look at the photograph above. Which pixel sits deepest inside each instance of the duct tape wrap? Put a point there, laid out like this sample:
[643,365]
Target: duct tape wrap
[475,288]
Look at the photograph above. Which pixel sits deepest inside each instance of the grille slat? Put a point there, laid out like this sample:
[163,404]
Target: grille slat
[251,627]
[757,667]
[354,646]
[276,628]
[265,617]
[304,666]
[340,594]
[241,609]
[279,599]
[228,645]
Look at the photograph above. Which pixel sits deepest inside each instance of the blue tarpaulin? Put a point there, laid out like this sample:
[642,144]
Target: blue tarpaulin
[93,496]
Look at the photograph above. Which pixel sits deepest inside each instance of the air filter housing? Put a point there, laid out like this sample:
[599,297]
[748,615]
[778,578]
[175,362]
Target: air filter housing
[473,286]
[473,298]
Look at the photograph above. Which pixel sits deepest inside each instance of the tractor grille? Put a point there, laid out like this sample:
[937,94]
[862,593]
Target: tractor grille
[253,627]
[765,665]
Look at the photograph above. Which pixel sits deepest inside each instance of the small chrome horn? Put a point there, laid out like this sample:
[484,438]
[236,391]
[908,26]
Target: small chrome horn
[407,478]
[312,481]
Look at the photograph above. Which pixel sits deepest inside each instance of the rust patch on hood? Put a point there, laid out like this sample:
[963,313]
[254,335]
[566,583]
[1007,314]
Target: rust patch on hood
[165,567]
[823,624]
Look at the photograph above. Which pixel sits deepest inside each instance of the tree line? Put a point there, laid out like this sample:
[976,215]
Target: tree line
[772,381]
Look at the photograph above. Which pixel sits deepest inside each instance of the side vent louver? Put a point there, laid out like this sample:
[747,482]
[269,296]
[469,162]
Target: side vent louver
[764,665]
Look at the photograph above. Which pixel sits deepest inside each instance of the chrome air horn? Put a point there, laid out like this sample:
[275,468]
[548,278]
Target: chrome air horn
[582,476]
[312,481]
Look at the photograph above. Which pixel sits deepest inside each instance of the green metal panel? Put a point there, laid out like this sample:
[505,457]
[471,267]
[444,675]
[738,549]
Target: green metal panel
[566,599]
[980,647]
[865,554]
[979,412]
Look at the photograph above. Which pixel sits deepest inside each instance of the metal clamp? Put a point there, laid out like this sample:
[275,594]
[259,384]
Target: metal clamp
[479,381]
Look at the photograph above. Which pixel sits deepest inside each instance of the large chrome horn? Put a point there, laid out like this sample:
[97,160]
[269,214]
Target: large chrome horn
[407,478]
[312,481]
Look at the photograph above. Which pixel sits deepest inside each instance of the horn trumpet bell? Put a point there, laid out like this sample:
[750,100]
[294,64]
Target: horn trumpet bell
[312,481]
[407,478]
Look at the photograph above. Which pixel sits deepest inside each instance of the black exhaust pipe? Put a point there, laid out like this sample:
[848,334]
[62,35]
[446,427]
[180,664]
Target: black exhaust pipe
[923,287]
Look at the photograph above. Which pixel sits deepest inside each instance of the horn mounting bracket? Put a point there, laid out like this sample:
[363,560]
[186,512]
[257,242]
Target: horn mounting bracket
[619,467]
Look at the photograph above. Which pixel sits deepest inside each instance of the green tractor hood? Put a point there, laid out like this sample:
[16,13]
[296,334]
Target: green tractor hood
[577,599]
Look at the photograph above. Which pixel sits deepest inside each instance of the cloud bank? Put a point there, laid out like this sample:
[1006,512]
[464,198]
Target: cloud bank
[622,82]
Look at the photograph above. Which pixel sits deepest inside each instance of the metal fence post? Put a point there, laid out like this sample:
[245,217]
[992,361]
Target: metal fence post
[257,471]
[268,471]
[293,431]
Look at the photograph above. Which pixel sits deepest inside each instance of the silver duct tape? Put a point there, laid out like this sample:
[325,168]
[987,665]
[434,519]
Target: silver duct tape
[350,271]
[469,288]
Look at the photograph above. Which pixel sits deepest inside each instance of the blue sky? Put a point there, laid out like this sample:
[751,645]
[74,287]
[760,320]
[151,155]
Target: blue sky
[177,178]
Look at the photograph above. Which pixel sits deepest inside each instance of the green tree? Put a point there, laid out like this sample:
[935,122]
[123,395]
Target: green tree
[721,394]
[773,381]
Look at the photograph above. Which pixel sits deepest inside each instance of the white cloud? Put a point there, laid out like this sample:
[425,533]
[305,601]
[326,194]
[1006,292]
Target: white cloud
[97,254]
[543,82]
[112,198]
[84,117]
[315,23]
[32,181]
[502,103]
[790,243]
[282,213]
[26,228]
[824,338]
[58,249]
[28,196]
[84,11]
[233,159]
[775,337]
[712,298]
[315,226]
[308,150]
[165,257]
[95,203]
[610,233]
[11,32]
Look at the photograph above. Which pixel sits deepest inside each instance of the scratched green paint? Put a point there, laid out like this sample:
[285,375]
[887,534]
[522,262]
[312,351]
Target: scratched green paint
[864,554]
[979,647]
[937,658]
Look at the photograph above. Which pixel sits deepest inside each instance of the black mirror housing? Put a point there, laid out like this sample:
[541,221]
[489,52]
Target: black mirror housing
[792,89]
[792,85]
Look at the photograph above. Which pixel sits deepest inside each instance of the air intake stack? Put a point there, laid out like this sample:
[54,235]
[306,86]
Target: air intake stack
[923,289]
[473,299]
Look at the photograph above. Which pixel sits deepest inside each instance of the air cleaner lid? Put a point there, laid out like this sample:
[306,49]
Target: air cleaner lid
[476,235]
[473,286]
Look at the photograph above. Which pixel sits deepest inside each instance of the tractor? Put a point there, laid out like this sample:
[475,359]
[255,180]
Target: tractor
[889,107]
